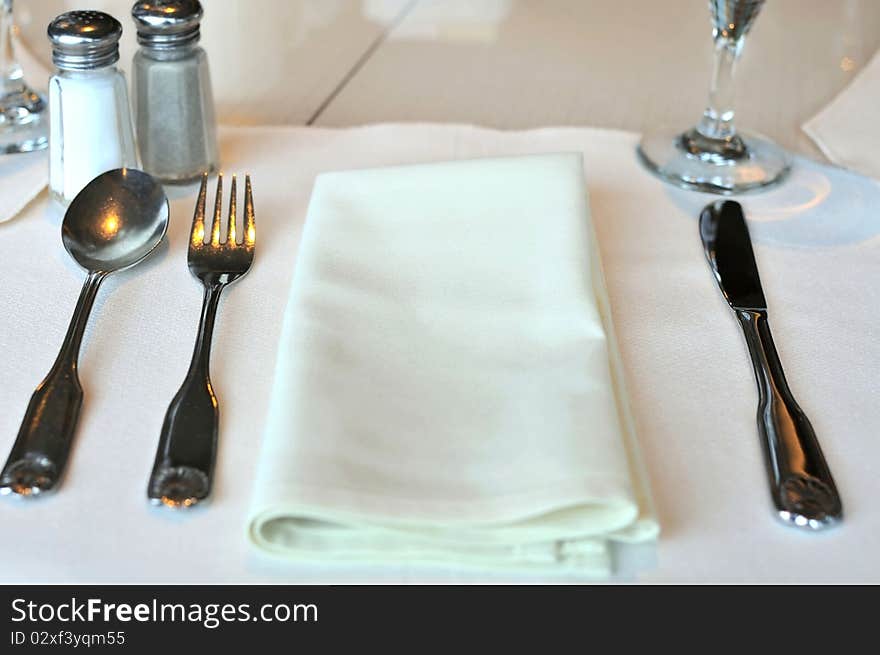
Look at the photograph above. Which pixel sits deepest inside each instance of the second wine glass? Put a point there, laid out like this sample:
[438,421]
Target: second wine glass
[714,156]
[23,122]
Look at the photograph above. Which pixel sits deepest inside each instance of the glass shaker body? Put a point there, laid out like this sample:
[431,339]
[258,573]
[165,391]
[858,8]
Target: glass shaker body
[90,128]
[174,112]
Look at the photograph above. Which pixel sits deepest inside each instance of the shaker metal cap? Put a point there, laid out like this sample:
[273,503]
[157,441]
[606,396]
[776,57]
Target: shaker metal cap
[167,23]
[82,40]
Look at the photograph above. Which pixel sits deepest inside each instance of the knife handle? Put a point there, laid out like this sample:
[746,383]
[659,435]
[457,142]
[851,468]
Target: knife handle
[801,484]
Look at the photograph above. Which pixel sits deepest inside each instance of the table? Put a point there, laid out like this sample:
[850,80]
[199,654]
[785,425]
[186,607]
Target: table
[369,60]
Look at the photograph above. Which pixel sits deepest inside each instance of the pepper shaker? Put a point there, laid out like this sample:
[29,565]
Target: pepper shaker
[171,85]
[90,129]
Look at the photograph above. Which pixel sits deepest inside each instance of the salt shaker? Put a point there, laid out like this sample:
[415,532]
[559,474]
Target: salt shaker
[171,88]
[90,128]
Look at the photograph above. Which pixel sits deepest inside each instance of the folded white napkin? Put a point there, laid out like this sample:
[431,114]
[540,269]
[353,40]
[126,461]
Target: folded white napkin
[448,385]
[24,175]
[847,130]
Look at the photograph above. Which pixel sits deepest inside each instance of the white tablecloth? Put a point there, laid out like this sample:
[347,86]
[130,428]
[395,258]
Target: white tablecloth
[816,240]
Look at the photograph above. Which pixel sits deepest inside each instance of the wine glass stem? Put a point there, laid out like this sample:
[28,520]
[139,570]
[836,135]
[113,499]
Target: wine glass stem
[717,121]
[10,71]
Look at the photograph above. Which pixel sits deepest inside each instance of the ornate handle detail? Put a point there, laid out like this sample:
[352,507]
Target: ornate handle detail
[801,484]
[43,445]
[184,466]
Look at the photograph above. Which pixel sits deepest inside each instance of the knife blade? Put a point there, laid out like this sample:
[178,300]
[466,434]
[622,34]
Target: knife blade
[801,485]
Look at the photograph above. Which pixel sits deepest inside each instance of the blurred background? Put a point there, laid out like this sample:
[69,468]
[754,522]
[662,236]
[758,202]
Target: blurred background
[628,64]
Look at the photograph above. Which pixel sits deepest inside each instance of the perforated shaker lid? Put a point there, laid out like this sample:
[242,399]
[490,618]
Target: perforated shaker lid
[84,39]
[167,23]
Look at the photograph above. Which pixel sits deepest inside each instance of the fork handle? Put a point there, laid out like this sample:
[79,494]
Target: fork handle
[184,467]
[803,490]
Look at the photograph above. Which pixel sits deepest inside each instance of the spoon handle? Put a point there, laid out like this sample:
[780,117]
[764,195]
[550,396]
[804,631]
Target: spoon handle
[40,452]
[184,466]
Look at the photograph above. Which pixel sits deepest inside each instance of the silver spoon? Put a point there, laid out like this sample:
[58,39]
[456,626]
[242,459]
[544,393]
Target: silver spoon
[114,222]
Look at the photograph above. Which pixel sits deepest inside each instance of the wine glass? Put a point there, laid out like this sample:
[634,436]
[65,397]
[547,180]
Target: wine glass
[23,112]
[714,156]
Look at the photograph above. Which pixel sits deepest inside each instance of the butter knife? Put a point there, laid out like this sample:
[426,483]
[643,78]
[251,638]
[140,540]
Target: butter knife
[801,485]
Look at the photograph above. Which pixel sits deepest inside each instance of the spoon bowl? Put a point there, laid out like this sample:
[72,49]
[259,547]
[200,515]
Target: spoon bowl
[115,221]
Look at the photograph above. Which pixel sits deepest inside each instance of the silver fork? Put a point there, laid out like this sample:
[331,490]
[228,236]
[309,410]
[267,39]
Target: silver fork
[184,466]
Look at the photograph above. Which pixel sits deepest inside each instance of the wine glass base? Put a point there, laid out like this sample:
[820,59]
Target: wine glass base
[760,164]
[24,123]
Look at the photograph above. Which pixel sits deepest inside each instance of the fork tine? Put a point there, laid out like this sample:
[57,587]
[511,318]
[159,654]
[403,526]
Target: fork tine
[218,210]
[230,232]
[250,231]
[197,236]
